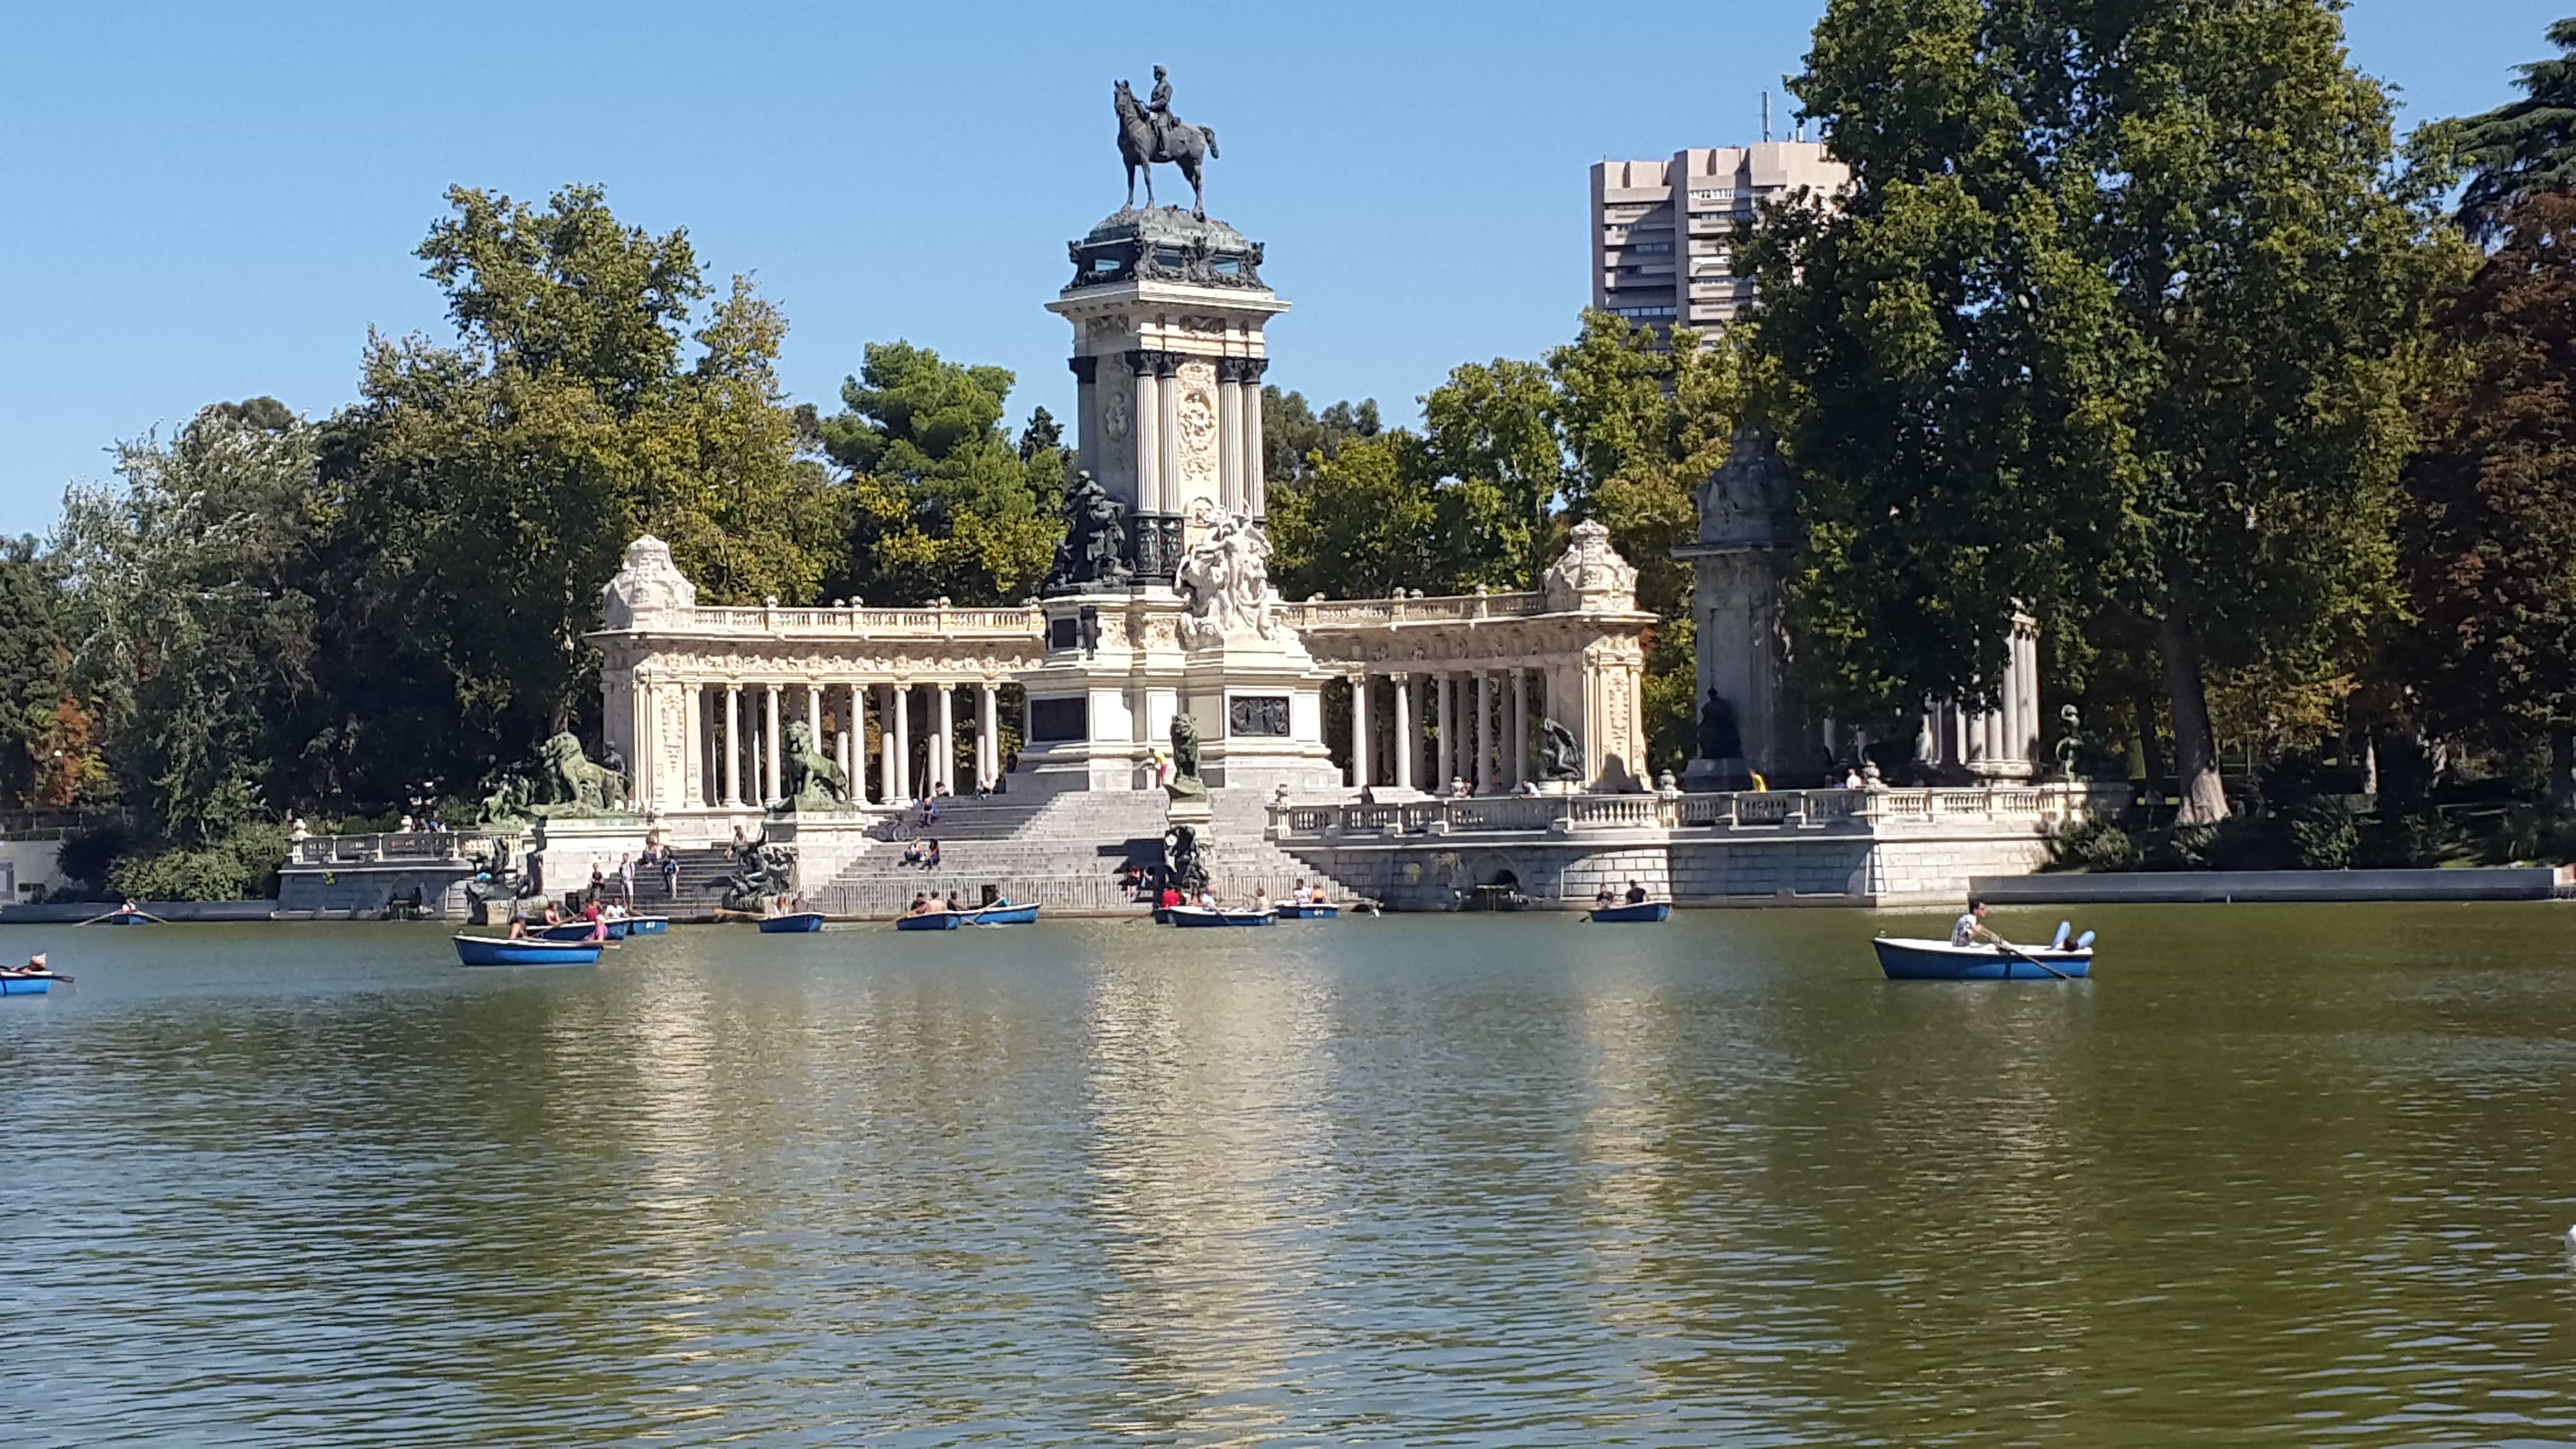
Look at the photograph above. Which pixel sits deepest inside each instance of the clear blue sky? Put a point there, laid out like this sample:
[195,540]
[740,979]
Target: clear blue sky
[212,202]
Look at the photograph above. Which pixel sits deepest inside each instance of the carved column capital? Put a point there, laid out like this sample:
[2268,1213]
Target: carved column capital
[1159,362]
[1085,369]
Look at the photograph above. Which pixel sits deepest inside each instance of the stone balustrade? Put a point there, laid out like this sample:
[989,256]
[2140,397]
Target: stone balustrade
[398,847]
[1382,613]
[2035,806]
[858,623]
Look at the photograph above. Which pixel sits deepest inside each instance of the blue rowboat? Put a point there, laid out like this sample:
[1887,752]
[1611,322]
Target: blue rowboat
[122,918]
[580,931]
[1309,911]
[648,925]
[25,983]
[1202,916]
[933,921]
[1007,915]
[502,951]
[1917,960]
[1641,911]
[792,923]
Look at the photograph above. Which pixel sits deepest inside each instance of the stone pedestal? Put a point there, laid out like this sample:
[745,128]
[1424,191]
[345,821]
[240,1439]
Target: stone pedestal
[563,850]
[825,842]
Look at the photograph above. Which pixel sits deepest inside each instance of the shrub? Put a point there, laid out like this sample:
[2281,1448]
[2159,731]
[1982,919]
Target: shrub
[2324,834]
[2095,845]
[89,855]
[240,866]
[2413,840]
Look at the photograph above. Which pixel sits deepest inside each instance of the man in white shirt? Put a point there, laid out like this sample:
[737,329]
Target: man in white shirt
[1969,929]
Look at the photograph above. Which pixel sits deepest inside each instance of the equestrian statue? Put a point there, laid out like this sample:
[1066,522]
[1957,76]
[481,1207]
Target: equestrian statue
[1151,133]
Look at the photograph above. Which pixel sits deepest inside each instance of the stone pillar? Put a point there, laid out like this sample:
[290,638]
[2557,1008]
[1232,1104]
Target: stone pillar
[733,745]
[1423,733]
[988,734]
[847,747]
[1148,425]
[1446,751]
[1520,726]
[1167,396]
[1485,731]
[1360,731]
[943,769]
[1229,430]
[888,752]
[1086,412]
[1402,747]
[771,727]
[814,716]
[1256,487]
[903,741]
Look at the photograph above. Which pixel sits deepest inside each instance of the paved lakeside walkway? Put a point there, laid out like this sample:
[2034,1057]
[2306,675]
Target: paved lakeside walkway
[2506,883]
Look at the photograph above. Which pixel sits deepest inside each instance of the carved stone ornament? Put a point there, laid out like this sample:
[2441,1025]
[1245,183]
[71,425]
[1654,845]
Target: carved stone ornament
[1197,418]
[1113,418]
[649,588]
[1590,577]
[1226,583]
[1746,502]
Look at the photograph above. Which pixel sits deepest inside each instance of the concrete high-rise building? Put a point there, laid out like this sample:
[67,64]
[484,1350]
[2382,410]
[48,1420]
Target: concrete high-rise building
[1663,232]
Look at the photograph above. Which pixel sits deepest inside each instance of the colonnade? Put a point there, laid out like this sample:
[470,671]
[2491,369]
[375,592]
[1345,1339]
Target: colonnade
[741,759]
[1446,725]
[1998,743]
[1159,389]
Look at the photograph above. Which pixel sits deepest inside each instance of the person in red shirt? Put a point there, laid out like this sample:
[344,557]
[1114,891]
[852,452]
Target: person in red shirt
[1168,899]
[598,920]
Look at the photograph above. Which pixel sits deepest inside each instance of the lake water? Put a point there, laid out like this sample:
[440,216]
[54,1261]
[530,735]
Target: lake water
[2291,1175]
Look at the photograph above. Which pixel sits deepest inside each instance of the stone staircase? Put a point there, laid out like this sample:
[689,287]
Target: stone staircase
[1065,853]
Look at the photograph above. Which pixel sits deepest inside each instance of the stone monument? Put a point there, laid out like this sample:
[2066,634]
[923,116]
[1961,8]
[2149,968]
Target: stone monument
[1739,571]
[1159,603]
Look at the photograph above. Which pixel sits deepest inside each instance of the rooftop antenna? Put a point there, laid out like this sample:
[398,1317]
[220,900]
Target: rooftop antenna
[1766,115]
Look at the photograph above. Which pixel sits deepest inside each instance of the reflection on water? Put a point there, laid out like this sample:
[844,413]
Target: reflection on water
[2276,1175]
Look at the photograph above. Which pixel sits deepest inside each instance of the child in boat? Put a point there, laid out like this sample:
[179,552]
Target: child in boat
[1260,899]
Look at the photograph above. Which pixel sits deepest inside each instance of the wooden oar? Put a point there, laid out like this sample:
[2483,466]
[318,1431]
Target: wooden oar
[2018,954]
[94,920]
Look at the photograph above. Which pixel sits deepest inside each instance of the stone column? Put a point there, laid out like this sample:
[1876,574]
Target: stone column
[988,734]
[1229,433]
[1360,731]
[1167,396]
[943,768]
[1445,752]
[1520,726]
[1255,485]
[848,747]
[1148,425]
[733,745]
[903,741]
[1086,412]
[1483,733]
[814,716]
[1401,748]
[771,728]
[886,791]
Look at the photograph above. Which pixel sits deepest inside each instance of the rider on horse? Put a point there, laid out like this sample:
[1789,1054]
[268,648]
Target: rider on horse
[1158,109]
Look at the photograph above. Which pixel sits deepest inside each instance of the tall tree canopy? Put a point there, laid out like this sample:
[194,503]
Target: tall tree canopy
[945,504]
[192,616]
[2523,147]
[573,414]
[2490,533]
[2114,320]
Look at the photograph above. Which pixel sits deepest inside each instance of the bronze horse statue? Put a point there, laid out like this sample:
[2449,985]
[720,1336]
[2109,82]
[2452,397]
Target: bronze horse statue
[1141,143]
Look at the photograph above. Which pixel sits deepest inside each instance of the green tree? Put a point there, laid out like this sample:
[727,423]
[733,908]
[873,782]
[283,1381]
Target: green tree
[1293,436]
[191,616]
[2522,147]
[2115,319]
[945,505]
[489,489]
[45,749]
[2490,530]
[1364,522]
[1643,426]
[1492,430]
